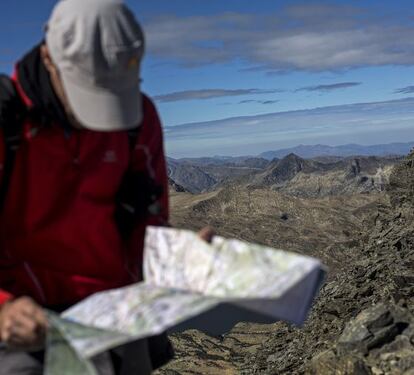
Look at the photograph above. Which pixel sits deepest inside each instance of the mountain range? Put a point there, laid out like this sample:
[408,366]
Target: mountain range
[292,174]
[308,151]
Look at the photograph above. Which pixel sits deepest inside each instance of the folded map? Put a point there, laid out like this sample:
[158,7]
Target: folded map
[189,283]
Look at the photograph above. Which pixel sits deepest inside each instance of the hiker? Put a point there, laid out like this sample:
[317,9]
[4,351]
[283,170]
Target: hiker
[83,173]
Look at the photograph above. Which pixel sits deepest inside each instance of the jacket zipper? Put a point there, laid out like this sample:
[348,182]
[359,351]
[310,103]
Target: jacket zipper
[35,281]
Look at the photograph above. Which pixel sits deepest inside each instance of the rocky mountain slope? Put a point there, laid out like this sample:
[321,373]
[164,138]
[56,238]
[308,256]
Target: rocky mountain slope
[174,187]
[272,218]
[310,178]
[191,177]
[362,322]
[292,175]
[206,174]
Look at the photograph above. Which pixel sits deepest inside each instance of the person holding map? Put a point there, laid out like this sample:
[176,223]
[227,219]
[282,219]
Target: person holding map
[83,179]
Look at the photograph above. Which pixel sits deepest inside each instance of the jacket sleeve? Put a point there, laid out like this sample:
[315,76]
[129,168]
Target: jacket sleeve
[149,157]
[4,297]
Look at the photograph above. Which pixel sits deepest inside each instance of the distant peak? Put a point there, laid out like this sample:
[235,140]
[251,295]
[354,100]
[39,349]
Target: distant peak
[292,155]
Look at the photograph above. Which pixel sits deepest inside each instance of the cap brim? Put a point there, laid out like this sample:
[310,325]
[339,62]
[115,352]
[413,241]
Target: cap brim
[101,109]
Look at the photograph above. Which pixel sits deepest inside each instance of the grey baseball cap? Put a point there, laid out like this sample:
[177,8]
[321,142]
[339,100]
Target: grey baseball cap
[97,46]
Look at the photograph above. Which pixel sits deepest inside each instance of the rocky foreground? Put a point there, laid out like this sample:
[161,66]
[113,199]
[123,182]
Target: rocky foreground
[362,322]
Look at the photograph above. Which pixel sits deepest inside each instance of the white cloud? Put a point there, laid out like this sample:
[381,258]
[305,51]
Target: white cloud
[209,94]
[311,37]
[330,87]
[405,90]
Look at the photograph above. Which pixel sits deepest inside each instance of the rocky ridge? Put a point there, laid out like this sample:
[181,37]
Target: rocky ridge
[310,178]
[292,175]
[362,322]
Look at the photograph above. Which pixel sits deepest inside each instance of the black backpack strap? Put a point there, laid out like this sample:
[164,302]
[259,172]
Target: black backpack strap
[137,196]
[12,112]
[133,138]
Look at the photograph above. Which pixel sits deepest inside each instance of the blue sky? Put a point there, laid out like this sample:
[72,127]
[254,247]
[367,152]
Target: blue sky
[241,77]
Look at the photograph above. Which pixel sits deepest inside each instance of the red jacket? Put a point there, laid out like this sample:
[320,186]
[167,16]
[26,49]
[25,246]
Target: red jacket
[58,240]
